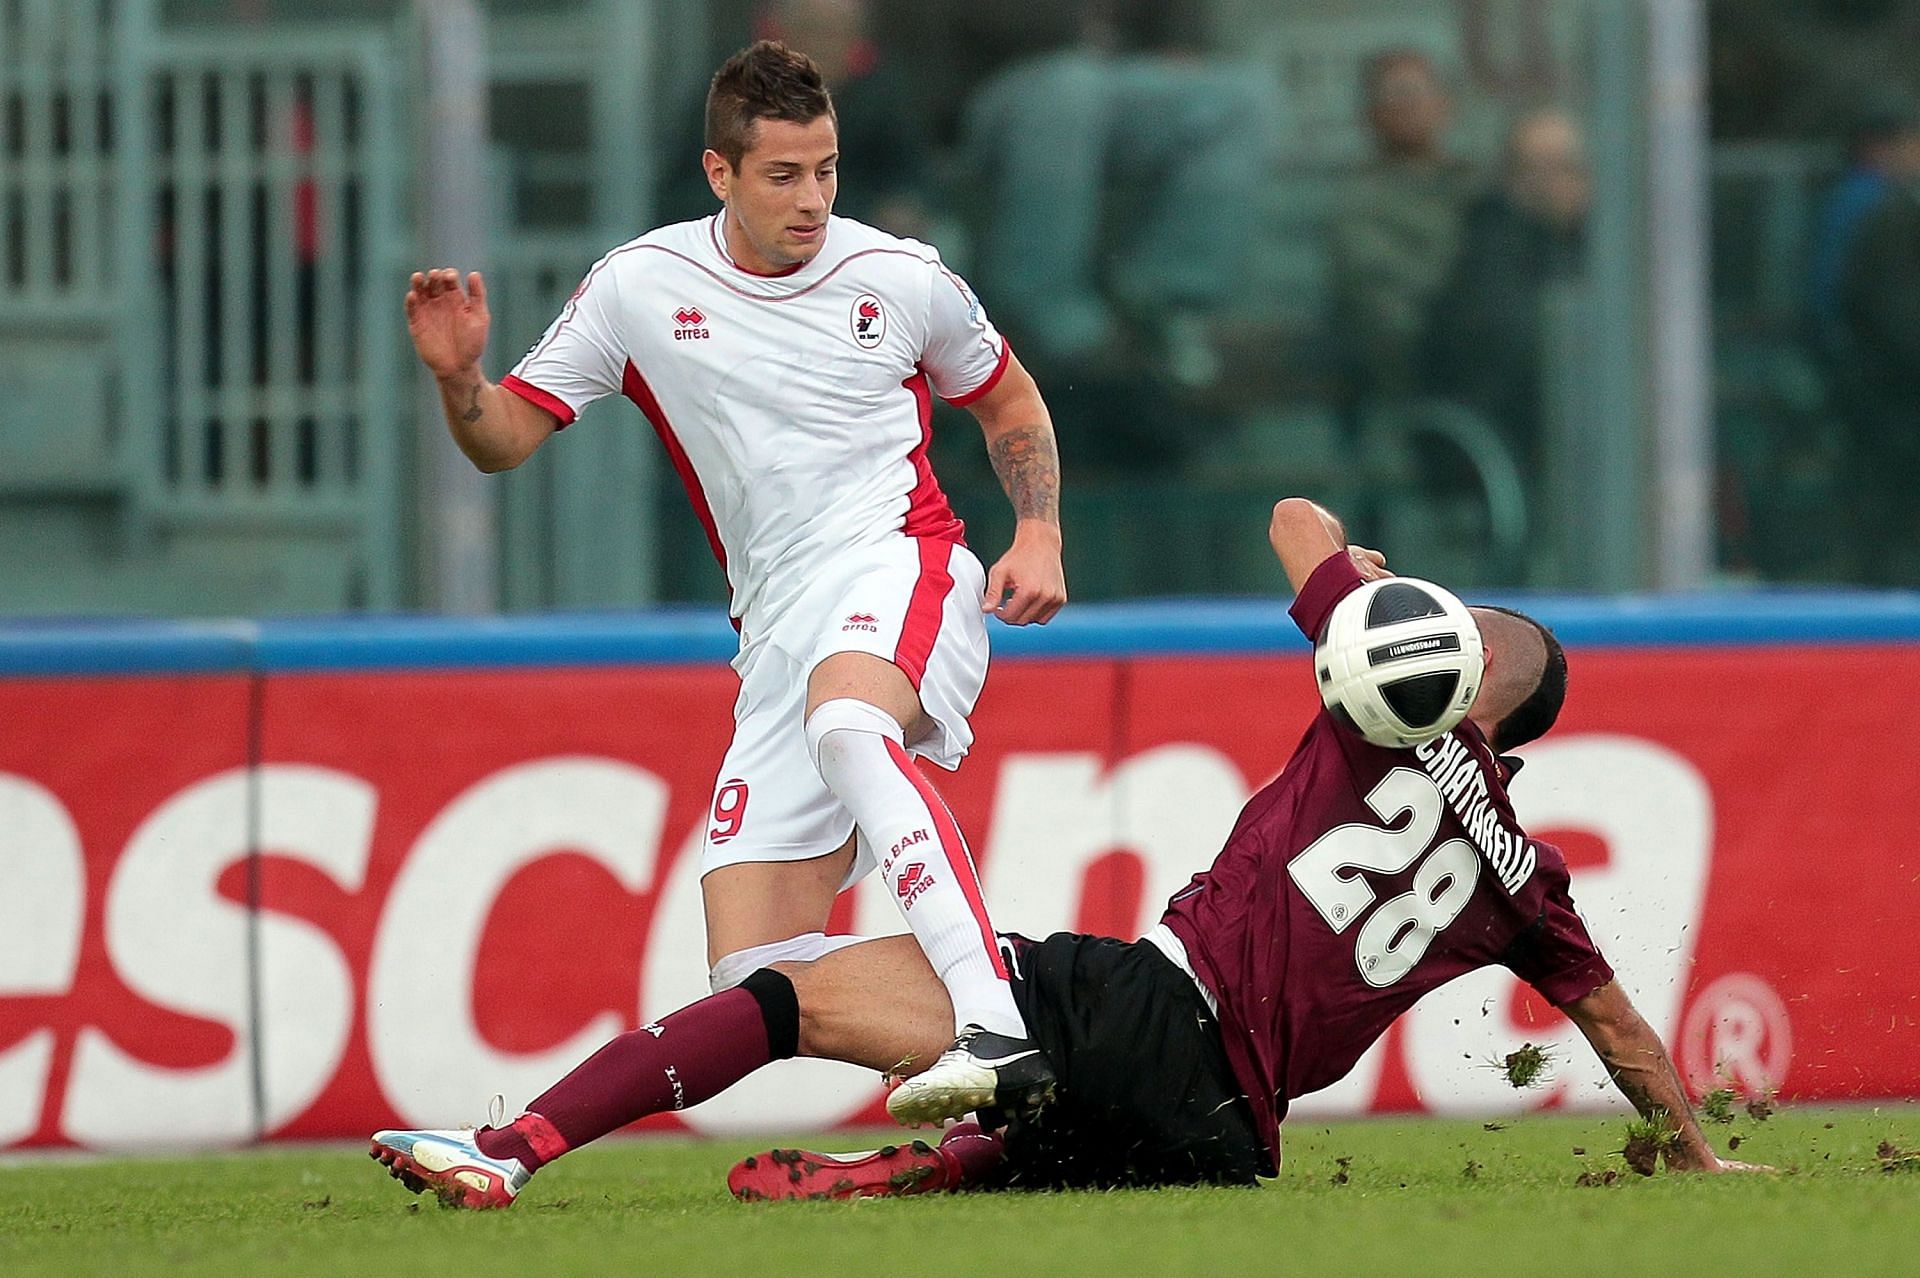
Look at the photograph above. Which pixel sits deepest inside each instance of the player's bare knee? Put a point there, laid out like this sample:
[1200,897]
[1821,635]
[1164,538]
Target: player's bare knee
[861,676]
[815,998]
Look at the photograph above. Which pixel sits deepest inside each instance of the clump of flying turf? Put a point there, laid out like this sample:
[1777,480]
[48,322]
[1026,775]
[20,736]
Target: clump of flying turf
[1530,1066]
[1471,1171]
[1894,1159]
[1760,1106]
[1647,1139]
[1717,1105]
[1342,1168]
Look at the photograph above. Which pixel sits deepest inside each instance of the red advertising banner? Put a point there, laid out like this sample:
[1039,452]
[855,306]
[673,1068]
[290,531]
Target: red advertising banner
[309,905]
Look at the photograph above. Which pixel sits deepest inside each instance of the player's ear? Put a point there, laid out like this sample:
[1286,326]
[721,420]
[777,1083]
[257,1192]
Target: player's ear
[1486,644]
[718,171]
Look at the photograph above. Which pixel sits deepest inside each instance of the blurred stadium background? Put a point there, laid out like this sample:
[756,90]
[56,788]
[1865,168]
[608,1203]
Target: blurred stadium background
[205,205]
[1608,299]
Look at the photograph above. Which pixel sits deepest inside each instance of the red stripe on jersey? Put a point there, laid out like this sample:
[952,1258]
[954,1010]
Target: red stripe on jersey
[928,514]
[959,860]
[635,388]
[539,399]
[924,610]
[993,380]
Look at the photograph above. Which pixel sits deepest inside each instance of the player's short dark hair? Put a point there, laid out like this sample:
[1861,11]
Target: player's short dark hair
[764,81]
[1530,720]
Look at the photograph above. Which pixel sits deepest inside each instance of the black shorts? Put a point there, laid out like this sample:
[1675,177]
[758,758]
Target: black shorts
[1146,1096]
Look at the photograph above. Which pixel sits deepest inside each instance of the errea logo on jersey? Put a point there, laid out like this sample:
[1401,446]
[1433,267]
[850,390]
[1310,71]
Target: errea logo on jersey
[690,321]
[868,321]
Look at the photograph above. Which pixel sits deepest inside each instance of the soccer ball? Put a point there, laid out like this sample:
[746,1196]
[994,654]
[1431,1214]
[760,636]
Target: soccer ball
[1399,661]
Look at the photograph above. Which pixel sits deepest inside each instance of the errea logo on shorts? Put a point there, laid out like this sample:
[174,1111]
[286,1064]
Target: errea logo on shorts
[862,621]
[868,320]
[691,322]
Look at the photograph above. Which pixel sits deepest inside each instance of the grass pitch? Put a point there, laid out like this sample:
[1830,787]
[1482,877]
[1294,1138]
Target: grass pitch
[1529,1199]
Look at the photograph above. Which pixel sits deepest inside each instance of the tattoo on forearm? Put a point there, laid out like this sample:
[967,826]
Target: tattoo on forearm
[472,414]
[1028,465]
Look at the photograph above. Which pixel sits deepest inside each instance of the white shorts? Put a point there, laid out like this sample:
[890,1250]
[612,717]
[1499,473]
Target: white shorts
[913,602]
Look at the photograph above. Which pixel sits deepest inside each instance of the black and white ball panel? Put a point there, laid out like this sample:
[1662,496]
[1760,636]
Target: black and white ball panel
[1399,661]
[1401,601]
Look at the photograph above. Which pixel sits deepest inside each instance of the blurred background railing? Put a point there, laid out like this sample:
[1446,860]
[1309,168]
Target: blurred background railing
[1437,262]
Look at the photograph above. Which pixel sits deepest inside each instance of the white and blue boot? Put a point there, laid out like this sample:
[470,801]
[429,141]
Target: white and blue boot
[451,1165]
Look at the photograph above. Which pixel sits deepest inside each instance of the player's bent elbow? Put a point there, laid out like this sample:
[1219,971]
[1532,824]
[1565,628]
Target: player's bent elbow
[495,455]
[494,463]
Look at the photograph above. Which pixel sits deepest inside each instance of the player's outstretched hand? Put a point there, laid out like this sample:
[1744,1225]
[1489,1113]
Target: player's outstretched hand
[1027,584]
[448,324]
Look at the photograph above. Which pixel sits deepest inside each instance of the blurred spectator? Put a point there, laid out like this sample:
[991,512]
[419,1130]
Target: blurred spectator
[1878,379]
[1484,345]
[886,171]
[1119,183]
[1883,151]
[1395,228]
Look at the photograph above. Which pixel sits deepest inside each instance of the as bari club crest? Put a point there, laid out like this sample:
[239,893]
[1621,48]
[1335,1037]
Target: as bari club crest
[868,320]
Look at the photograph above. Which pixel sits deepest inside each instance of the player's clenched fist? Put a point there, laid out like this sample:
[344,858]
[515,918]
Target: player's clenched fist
[448,324]
[1027,583]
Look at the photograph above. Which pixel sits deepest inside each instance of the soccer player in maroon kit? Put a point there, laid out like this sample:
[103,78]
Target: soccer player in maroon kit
[1356,882]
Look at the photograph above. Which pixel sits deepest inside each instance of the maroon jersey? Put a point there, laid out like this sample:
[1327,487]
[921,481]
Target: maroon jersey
[1359,880]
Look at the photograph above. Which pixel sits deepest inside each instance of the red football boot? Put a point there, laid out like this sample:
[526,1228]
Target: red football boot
[892,1171]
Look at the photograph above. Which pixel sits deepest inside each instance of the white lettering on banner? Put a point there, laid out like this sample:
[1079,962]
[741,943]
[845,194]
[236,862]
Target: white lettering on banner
[787,1095]
[1055,814]
[431,1060]
[179,944]
[1655,813]
[1737,1033]
[43,887]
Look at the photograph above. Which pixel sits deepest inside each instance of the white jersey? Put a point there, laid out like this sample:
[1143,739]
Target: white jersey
[795,407]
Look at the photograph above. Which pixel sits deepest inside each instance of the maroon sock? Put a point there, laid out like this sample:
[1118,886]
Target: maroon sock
[688,1057]
[978,1153]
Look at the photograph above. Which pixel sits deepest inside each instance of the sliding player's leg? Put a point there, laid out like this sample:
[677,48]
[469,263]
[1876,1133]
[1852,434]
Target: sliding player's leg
[837,1023]
[679,1061]
[874,1004]
[966,1157]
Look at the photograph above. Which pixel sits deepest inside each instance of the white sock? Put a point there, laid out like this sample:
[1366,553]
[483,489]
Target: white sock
[928,871]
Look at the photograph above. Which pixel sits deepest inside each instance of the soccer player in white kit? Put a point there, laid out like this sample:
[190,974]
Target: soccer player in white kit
[787,359]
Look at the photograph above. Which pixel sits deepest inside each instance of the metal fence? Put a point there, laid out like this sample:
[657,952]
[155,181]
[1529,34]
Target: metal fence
[270,175]
[59,192]
[206,403]
[198,360]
